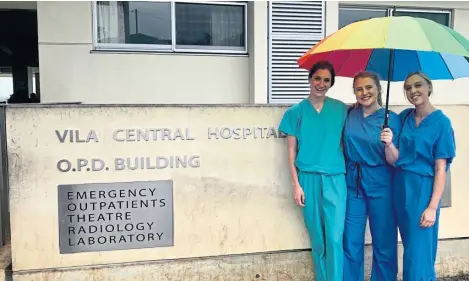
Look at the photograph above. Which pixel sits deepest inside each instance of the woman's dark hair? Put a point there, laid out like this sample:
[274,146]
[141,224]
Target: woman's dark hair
[322,65]
[375,78]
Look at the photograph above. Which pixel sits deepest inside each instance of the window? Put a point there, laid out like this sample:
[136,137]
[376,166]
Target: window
[171,26]
[439,17]
[350,14]
[294,28]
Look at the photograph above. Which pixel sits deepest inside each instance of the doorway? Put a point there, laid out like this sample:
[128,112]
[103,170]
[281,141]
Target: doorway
[19,56]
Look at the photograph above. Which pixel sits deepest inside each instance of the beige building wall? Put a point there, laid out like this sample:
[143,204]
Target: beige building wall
[72,72]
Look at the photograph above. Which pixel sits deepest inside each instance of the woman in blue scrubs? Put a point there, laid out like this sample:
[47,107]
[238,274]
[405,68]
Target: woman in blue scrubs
[369,184]
[427,149]
[316,163]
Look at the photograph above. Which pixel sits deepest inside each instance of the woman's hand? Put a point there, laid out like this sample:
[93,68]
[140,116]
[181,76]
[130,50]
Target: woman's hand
[428,217]
[386,136]
[299,195]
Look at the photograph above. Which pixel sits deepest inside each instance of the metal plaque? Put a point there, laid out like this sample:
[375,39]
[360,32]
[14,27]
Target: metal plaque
[115,216]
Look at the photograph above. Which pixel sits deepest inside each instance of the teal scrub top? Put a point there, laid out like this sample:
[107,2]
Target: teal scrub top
[318,135]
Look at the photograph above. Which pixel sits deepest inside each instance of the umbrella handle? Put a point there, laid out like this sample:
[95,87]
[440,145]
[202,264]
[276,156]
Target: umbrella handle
[385,125]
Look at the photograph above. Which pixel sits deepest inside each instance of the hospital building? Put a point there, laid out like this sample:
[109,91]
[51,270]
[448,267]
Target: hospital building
[220,67]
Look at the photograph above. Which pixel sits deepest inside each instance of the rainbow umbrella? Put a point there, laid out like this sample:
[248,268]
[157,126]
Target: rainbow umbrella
[396,45]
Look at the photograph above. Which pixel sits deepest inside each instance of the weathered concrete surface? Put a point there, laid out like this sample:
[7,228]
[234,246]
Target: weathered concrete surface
[237,202]
[455,278]
[453,260]
[5,260]
[277,266]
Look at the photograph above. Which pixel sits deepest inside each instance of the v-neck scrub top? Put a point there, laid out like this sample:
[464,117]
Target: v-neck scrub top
[363,147]
[421,146]
[318,134]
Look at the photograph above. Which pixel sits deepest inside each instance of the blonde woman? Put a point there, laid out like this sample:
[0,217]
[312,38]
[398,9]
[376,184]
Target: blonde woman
[426,150]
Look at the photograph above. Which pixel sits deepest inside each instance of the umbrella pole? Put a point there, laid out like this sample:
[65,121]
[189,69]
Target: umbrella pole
[390,70]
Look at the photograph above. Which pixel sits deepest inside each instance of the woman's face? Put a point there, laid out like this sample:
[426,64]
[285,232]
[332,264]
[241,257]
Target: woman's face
[320,83]
[366,91]
[417,90]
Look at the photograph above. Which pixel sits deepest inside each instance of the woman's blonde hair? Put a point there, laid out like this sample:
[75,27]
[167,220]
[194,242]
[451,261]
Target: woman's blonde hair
[375,78]
[424,76]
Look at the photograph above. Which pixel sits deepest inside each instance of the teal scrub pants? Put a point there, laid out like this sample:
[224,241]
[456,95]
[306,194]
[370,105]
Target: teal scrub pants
[324,216]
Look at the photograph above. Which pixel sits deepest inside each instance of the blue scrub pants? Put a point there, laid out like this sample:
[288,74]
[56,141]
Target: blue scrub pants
[383,230]
[412,195]
[324,215]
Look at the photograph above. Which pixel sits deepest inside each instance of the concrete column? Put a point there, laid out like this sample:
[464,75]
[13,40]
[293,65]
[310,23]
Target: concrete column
[332,17]
[258,51]
[20,81]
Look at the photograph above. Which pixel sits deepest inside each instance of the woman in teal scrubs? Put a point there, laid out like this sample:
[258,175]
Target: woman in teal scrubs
[426,150]
[369,184]
[316,162]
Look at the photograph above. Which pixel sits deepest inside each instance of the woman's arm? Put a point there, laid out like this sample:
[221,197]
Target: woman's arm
[428,217]
[291,160]
[445,151]
[438,183]
[392,153]
[298,193]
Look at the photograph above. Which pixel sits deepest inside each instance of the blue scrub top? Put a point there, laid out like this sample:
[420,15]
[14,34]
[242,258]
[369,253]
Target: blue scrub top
[318,135]
[363,146]
[421,146]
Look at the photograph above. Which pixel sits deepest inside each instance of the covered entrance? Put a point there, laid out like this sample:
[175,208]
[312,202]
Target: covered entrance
[19,56]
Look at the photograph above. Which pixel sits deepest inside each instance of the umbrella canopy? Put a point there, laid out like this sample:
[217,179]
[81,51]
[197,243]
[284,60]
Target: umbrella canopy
[416,44]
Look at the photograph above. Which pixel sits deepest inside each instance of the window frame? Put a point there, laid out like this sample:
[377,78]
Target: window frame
[363,8]
[389,10]
[173,48]
[427,11]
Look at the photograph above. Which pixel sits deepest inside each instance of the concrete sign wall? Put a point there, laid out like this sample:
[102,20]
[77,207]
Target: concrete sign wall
[97,185]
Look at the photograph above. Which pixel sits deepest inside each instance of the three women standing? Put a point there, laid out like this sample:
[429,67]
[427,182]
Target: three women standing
[421,154]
